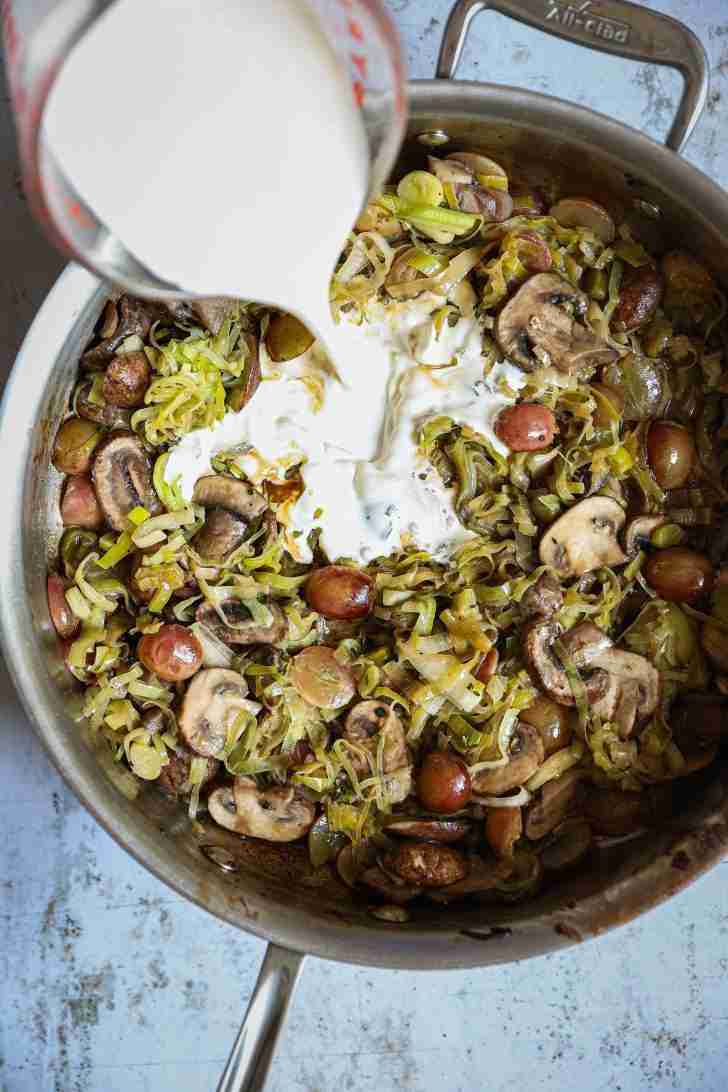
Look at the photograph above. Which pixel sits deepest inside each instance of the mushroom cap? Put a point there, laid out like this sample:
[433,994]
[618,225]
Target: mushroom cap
[585,213]
[584,538]
[543,598]
[122,475]
[222,491]
[213,699]
[639,530]
[425,864]
[242,629]
[552,804]
[525,755]
[429,830]
[175,773]
[211,312]
[223,531]
[536,329]
[546,669]
[279,814]
[367,721]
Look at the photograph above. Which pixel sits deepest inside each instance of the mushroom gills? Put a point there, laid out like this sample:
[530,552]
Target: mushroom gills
[584,538]
[240,627]
[536,329]
[213,699]
[122,475]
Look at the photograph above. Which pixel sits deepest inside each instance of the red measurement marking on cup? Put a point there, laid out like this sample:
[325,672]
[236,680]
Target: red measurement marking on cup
[355,30]
[360,63]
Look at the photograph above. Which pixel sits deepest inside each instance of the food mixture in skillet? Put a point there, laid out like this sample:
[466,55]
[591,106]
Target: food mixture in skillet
[449,606]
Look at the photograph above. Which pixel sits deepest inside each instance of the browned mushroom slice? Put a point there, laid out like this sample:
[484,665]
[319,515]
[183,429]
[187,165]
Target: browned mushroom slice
[483,875]
[543,598]
[640,294]
[241,628]
[278,814]
[213,311]
[525,755]
[424,864]
[222,533]
[365,726]
[552,804]
[214,698]
[240,394]
[429,830]
[503,828]
[584,538]
[547,671]
[221,491]
[174,778]
[539,327]
[638,531]
[123,478]
[135,318]
[585,213]
[396,891]
[449,170]
[633,690]
[100,412]
[275,815]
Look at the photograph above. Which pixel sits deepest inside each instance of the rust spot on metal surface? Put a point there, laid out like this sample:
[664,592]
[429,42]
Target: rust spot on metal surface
[681,861]
[564,930]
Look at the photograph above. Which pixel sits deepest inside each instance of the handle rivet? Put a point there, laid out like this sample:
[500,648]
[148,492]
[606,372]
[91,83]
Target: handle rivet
[433,138]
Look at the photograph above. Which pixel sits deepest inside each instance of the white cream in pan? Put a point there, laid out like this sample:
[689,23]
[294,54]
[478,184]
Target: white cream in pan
[354,435]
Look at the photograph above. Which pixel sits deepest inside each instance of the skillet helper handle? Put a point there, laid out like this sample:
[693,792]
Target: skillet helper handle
[251,1056]
[611,26]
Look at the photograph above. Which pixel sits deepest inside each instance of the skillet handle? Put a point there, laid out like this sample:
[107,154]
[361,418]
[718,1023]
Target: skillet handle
[251,1056]
[611,26]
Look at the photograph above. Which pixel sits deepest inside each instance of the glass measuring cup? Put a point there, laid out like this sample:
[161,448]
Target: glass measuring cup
[40,34]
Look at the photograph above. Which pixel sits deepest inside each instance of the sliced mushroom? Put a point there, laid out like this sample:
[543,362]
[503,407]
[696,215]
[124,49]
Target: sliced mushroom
[240,394]
[275,815]
[582,212]
[223,532]
[213,699]
[212,312]
[100,412]
[241,628]
[424,864]
[221,491]
[483,875]
[367,724]
[539,327]
[495,205]
[479,165]
[543,598]
[638,531]
[584,538]
[552,804]
[449,170]
[430,830]
[634,684]
[547,671]
[396,891]
[525,755]
[174,778]
[122,476]
[135,318]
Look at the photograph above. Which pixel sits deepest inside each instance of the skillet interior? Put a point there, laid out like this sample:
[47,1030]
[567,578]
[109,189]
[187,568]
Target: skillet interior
[270,890]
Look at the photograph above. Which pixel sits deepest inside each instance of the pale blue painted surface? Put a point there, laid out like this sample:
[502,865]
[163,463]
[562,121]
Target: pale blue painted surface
[111,983]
